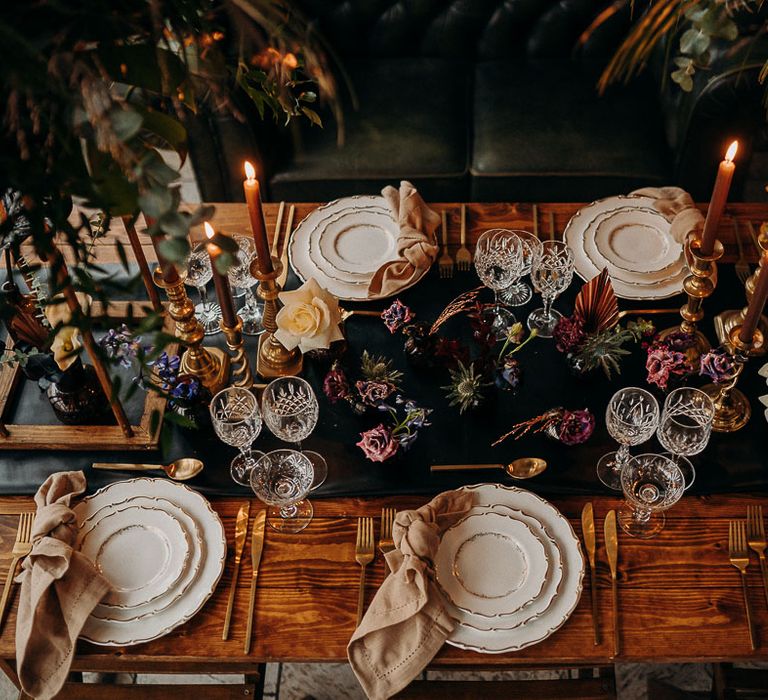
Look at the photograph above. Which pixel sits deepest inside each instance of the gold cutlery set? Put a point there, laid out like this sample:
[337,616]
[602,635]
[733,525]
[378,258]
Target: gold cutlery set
[257,547]
[744,536]
[284,250]
[612,551]
[365,549]
[445,263]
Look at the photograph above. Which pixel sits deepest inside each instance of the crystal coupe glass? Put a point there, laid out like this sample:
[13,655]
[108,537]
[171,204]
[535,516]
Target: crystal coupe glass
[282,479]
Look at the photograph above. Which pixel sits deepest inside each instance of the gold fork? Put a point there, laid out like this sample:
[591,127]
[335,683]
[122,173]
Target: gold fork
[386,543]
[445,263]
[363,556]
[278,227]
[756,540]
[286,241]
[742,266]
[21,547]
[739,556]
[463,256]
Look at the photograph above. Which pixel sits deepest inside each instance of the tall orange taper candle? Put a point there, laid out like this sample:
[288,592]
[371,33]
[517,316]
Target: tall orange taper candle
[256,215]
[718,201]
[756,303]
[223,292]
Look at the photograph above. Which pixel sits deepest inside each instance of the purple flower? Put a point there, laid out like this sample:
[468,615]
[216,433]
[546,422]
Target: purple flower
[576,427]
[717,365]
[663,363]
[509,375]
[121,345]
[167,367]
[186,389]
[373,393]
[396,316]
[568,334]
[335,384]
[378,444]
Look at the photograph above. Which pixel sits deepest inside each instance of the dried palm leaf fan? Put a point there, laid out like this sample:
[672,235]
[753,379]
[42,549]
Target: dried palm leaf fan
[596,306]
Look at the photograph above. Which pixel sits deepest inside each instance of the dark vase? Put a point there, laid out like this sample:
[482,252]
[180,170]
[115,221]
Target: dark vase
[77,398]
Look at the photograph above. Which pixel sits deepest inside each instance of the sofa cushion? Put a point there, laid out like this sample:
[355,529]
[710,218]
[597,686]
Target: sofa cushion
[413,121]
[543,134]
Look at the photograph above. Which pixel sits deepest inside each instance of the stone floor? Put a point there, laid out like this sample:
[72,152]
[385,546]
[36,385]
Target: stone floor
[337,682]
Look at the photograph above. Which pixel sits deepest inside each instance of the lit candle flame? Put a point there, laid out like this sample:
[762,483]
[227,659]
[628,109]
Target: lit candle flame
[250,172]
[209,230]
[730,154]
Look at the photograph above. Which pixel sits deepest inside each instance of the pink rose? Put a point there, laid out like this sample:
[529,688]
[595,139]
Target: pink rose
[378,443]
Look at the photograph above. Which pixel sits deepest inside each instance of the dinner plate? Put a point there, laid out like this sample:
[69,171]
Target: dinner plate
[498,640]
[490,564]
[142,552]
[579,235]
[185,605]
[551,585]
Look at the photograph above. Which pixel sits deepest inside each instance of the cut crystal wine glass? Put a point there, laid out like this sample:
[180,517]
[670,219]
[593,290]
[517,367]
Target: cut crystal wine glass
[519,293]
[499,262]
[631,417]
[237,421]
[551,273]
[282,479]
[291,411]
[651,484]
[199,273]
[685,427]
[251,313]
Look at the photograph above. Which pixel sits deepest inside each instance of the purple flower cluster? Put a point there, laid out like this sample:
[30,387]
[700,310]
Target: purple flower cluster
[576,427]
[568,334]
[336,384]
[397,316]
[121,345]
[382,442]
[186,389]
[373,393]
[718,365]
[167,367]
[666,362]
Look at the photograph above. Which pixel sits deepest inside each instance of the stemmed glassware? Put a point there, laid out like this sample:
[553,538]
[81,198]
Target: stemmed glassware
[199,273]
[251,313]
[651,484]
[631,417]
[499,262]
[519,293]
[282,479]
[551,273]
[291,411]
[685,427]
[237,421]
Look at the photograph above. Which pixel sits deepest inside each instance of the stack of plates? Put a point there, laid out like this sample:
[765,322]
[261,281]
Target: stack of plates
[633,240]
[511,570]
[163,555]
[343,243]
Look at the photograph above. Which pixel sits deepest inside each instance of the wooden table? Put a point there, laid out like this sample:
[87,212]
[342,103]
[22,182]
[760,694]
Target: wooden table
[679,598]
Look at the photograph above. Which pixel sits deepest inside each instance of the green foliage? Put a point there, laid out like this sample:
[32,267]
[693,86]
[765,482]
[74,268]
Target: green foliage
[376,368]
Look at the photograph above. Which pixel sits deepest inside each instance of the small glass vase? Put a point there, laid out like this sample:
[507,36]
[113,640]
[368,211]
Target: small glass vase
[77,397]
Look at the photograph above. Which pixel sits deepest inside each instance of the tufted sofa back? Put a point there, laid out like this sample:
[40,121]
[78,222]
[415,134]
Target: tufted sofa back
[466,30]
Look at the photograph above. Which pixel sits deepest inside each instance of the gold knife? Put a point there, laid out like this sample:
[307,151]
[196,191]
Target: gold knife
[257,547]
[588,530]
[284,254]
[612,547]
[241,530]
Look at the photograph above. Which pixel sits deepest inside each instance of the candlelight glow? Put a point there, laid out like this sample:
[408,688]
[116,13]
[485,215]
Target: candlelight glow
[209,230]
[730,154]
[250,171]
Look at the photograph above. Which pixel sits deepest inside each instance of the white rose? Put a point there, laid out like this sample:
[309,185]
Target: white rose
[309,319]
[67,341]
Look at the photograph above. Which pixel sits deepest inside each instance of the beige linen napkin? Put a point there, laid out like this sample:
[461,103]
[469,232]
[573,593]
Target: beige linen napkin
[407,622]
[59,589]
[678,208]
[416,247]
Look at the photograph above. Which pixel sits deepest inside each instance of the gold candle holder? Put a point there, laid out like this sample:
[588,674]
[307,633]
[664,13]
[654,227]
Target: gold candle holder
[272,359]
[732,409]
[209,365]
[698,286]
[241,367]
[726,321]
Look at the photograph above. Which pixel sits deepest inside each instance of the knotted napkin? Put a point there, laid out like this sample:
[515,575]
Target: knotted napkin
[407,622]
[416,247]
[59,589]
[677,206]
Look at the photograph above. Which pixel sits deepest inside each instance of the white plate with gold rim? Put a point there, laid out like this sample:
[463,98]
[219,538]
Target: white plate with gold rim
[118,633]
[490,564]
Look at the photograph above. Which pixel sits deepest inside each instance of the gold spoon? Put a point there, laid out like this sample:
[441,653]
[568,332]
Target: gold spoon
[521,468]
[179,470]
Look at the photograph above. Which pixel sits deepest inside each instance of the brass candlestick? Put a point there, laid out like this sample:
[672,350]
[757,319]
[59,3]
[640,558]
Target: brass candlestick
[732,409]
[698,286]
[272,359]
[209,365]
[241,367]
[727,320]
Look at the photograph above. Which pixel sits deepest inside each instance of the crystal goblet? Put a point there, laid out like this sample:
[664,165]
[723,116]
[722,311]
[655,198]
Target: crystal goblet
[199,274]
[551,273]
[282,479]
[291,411]
[519,293]
[631,417]
[651,484]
